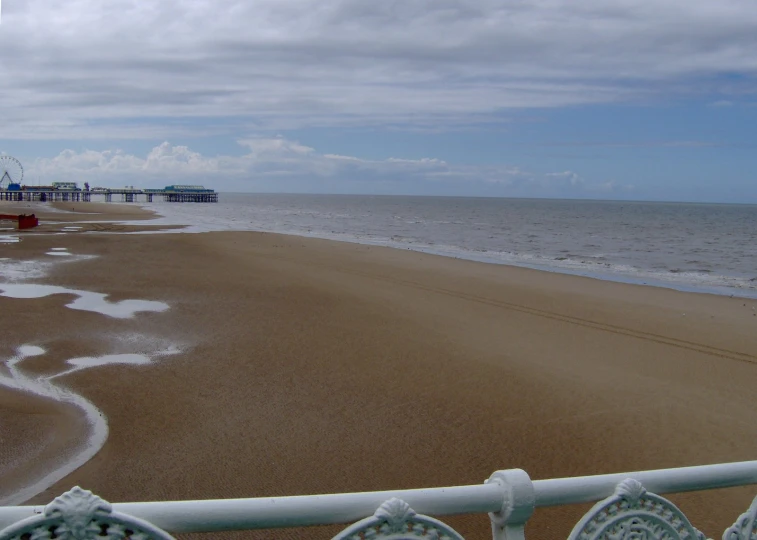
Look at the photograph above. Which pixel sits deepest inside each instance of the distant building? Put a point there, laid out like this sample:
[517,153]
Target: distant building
[65,186]
[188,189]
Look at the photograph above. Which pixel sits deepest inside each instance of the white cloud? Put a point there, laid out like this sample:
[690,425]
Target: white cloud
[141,68]
[277,147]
[567,177]
[292,166]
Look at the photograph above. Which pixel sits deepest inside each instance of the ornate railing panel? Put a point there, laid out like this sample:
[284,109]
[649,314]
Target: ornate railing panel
[395,520]
[632,512]
[80,515]
[745,527]
[628,510]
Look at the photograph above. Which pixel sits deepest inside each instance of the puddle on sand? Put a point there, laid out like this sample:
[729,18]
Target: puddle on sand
[92,361]
[109,359]
[11,376]
[42,386]
[59,251]
[133,359]
[85,301]
[16,270]
[29,350]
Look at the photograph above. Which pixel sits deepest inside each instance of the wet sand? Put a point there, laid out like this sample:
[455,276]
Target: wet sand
[73,217]
[310,366]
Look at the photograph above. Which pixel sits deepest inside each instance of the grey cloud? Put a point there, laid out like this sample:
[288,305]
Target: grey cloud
[334,62]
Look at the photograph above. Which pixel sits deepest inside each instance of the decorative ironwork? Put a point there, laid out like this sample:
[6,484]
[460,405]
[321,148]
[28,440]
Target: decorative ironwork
[80,515]
[395,520]
[745,527]
[632,513]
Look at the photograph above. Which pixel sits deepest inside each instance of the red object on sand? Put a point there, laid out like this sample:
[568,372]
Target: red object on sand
[24,221]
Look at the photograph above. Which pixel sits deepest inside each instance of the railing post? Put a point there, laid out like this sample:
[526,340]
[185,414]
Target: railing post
[519,501]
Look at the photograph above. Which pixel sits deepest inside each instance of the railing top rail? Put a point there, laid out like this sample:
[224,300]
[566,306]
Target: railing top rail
[297,511]
[582,489]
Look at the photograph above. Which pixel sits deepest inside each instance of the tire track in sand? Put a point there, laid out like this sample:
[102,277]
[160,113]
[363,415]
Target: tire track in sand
[543,313]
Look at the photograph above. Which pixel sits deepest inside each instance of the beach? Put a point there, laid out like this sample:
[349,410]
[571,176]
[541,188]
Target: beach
[310,366]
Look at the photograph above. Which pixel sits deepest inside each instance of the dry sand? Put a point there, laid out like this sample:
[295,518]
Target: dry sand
[310,366]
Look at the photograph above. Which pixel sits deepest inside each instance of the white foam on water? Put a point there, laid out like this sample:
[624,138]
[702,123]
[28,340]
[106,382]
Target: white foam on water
[59,249]
[85,301]
[9,239]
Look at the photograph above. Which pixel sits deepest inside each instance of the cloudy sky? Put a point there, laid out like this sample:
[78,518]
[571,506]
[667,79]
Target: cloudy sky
[634,99]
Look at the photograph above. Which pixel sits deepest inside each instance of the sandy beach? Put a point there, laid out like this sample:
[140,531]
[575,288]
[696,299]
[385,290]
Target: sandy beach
[311,366]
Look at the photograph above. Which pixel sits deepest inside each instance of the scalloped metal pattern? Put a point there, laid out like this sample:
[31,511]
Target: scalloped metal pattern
[395,520]
[80,515]
[633,513]
[745,527]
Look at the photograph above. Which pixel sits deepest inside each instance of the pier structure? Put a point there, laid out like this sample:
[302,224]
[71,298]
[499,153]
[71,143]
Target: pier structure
[69,192]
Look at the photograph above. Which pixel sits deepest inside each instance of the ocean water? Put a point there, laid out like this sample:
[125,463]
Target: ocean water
[700,247]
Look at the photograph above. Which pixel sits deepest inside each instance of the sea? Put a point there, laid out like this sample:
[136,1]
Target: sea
[691,247]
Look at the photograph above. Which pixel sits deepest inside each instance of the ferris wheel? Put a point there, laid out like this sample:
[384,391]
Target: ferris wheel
[11,171]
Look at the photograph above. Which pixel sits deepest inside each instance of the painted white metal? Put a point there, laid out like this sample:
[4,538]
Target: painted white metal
[632,512]
[582,489]
[509,522]
[745,528]
[298,511]
[506,494]
[78,514]
[395,520]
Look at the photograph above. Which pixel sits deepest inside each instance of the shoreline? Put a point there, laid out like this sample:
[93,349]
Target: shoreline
[295,357]
[481,257]
[151,213]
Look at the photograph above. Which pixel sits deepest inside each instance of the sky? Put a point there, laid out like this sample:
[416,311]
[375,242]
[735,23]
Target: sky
[600,99]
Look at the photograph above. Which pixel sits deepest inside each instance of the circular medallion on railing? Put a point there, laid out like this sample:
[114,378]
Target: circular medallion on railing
[632,513]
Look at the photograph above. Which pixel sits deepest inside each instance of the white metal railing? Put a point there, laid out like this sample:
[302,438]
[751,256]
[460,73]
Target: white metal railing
[509,496]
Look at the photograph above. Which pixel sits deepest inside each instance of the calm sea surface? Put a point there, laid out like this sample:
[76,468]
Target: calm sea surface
[702,247]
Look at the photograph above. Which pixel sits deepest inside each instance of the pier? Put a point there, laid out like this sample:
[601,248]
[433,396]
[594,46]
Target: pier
[69,192]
